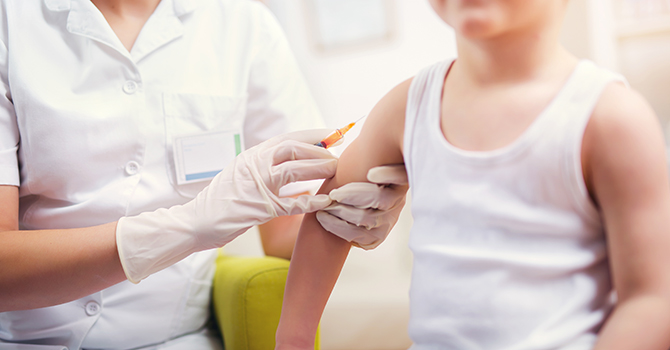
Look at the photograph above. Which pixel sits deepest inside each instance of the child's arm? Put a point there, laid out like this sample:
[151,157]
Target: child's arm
[319,255]
[626,171]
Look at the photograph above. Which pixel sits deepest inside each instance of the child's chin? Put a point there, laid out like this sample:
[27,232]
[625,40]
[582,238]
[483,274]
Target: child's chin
[477,29]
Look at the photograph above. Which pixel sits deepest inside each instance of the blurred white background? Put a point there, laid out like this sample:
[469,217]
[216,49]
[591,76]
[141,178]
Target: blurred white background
[369,306]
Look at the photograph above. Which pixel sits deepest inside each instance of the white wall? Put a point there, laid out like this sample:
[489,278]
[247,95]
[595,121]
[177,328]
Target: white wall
[347,84]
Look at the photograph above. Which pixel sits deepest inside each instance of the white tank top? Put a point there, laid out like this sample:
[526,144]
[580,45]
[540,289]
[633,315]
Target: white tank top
[509,251]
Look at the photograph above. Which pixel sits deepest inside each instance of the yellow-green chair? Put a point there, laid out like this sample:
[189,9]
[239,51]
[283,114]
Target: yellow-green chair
[247,297]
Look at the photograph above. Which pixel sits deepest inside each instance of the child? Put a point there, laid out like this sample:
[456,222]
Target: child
[539,187]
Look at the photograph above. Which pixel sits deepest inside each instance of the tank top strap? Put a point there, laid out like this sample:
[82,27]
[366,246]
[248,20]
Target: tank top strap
[581,97]
[575,113]
[425,92]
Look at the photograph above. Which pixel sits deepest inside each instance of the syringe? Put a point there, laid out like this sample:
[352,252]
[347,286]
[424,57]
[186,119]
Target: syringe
[336,135]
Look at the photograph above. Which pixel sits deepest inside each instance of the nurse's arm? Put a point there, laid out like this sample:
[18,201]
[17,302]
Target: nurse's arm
[48,267]
[279,234]
[319,255]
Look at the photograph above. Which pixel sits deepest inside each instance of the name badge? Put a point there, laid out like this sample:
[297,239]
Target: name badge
[200,157]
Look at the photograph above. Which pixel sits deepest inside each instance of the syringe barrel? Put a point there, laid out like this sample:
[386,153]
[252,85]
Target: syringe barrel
[330,139]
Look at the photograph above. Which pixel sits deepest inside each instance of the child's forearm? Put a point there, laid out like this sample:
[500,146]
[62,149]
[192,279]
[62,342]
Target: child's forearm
[639,323]
[317,261]
[319,255]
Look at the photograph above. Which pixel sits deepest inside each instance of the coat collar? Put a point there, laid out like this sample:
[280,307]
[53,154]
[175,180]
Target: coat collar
[181,7]
[84,19]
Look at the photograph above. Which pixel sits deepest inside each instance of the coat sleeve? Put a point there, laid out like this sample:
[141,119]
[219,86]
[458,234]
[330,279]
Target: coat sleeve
[9,132]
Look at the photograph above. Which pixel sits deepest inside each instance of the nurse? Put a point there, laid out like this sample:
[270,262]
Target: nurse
[115,118]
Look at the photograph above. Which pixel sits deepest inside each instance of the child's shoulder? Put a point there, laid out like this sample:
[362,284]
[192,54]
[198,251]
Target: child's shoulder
[622,111]
[385,125]
[394,103]
[396,99]
[389,115]
[623,137]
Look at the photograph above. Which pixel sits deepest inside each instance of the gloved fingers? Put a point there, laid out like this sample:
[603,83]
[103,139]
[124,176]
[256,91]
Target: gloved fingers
[367,195]
[303,204]
[388,174]
[292,150]
[303,170]
[359,236]
[366,218]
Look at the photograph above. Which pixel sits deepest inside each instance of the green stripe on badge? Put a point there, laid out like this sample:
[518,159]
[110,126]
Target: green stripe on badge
[238,144]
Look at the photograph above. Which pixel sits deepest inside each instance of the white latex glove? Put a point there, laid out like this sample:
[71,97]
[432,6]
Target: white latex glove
[364,213]
[243,195]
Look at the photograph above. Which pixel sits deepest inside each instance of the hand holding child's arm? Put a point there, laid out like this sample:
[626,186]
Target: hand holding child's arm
[371,209]
[626,172]
[319,255]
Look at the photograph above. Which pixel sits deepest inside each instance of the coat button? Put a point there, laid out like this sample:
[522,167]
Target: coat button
[92,308]
[132,167]
[130,87]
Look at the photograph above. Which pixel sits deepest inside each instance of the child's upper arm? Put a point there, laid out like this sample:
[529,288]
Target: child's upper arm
[627,175]
[379,143]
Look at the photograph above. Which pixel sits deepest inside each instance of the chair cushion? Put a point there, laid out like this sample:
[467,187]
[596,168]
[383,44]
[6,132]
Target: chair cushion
[247,299]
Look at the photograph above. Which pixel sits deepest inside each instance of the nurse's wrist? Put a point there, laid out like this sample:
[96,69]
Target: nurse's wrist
[152,241]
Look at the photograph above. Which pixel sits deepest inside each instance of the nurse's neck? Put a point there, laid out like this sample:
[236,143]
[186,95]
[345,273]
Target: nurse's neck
[126,17]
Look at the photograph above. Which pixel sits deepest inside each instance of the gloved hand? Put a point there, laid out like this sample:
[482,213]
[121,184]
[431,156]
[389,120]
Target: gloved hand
[364,213]
[244,194]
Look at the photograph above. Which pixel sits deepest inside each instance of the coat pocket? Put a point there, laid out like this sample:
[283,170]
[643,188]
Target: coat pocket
[193,114]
